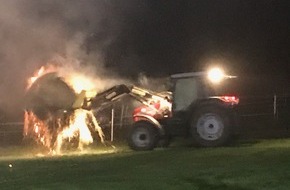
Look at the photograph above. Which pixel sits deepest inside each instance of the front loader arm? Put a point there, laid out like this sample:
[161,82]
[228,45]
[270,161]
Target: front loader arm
[113,94]
[106,97]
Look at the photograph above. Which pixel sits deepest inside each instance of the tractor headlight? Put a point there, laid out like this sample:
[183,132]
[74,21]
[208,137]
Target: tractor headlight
[216,75]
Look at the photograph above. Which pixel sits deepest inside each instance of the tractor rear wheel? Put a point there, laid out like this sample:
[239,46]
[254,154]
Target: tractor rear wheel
[210,126]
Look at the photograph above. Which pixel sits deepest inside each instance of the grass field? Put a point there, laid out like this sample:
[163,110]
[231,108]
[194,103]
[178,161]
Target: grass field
[260,165]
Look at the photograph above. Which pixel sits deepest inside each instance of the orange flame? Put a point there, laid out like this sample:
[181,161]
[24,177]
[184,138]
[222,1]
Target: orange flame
[80,124]
[42,71]
[36,128]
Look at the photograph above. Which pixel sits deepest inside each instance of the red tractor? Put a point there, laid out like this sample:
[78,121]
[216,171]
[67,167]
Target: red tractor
[199,106]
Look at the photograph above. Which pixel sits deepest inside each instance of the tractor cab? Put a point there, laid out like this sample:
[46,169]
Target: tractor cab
[203,107]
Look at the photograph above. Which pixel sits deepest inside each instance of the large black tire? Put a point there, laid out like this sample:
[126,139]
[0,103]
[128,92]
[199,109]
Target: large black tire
[210,126]
[143,136]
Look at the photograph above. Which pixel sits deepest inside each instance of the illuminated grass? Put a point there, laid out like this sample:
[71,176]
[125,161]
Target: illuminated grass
[262,165]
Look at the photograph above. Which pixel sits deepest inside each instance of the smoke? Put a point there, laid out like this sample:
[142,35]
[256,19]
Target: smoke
[154,83]
[33,33]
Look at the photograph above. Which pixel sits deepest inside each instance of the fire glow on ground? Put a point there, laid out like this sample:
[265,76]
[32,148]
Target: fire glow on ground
[35,152]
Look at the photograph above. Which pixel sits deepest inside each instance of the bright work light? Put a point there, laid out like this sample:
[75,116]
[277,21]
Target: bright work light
[216,75]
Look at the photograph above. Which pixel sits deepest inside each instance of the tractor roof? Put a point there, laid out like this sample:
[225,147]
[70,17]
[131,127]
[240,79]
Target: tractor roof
[188,75]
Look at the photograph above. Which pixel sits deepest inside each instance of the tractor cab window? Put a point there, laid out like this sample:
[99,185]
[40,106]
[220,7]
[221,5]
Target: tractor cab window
[184,93]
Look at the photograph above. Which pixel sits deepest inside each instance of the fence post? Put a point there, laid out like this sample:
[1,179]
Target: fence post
[275,106]
[112,124]
[122,116]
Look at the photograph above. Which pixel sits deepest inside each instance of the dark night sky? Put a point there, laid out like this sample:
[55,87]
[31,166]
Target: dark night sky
[164,37]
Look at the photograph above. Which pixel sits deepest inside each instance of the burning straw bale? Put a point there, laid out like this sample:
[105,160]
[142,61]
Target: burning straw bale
[49,94]
[50,118]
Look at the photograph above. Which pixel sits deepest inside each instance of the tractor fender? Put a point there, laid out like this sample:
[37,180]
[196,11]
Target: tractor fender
[205,102]
[151,120]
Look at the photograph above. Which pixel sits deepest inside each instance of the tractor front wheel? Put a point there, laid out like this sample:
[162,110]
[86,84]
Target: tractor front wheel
[143,136]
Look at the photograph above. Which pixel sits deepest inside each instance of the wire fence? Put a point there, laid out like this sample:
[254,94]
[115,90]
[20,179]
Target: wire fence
[11,133]
[257,114]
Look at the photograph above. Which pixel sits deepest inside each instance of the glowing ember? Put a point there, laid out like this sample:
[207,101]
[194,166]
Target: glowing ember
[37,129]
[60,126]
